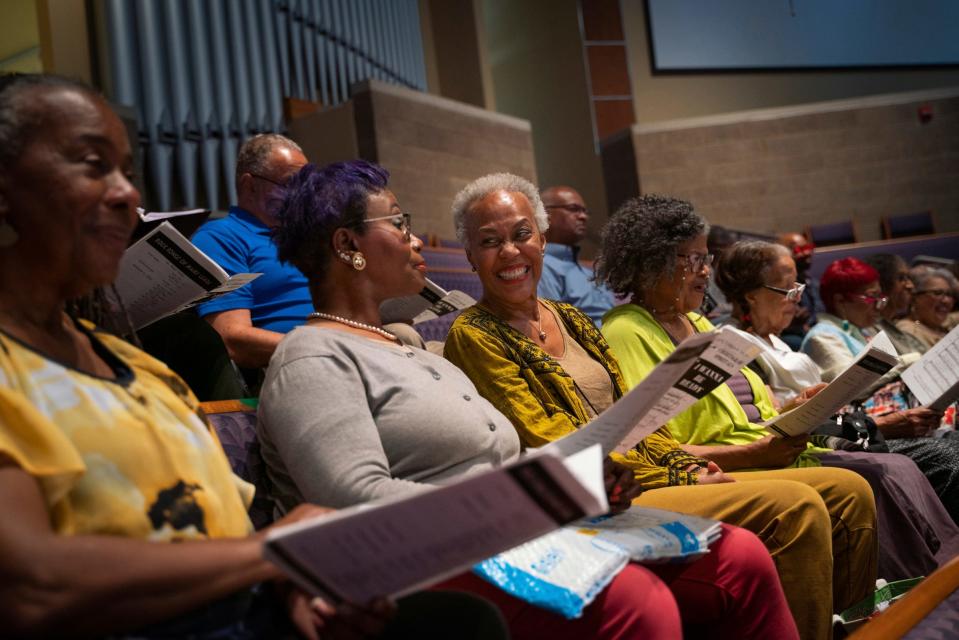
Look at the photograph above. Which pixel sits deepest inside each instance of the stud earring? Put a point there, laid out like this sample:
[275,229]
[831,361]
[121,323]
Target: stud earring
[344,256]
[8,235]
[359,261]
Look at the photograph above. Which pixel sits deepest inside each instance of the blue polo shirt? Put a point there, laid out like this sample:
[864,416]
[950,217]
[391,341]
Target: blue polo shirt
[566,280]
[279,299]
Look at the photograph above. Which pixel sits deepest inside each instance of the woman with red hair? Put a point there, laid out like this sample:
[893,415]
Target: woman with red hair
[850,291]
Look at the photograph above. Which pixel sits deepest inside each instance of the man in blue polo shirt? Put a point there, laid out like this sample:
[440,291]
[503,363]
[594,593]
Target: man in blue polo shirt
[254,318]
[563,277]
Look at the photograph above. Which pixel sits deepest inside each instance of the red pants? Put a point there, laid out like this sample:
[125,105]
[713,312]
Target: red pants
[732,592]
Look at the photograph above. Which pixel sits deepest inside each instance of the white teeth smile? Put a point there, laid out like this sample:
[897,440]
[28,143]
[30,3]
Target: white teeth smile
[514,273]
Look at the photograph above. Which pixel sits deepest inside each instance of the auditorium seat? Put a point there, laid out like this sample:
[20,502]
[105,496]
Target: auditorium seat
[823,235]
[910,224]
[445,258]
[437,329]
[449,244]
[235,424]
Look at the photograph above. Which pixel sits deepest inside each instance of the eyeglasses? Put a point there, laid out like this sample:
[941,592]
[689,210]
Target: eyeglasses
[696,261]
[936,293]
[572,208]
[879,302]
[792,295]
[270,180]
[399,220]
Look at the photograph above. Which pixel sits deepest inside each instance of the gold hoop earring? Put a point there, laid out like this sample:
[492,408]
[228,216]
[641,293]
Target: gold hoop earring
[359,261]
[8,235]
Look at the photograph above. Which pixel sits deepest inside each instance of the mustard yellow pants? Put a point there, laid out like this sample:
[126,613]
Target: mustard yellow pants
[800,515]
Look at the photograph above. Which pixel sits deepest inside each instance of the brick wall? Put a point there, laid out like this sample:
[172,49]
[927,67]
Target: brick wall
[432,146]
[781,169]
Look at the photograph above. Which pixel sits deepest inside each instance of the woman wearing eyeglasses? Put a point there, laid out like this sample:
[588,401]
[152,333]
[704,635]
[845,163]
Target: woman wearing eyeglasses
[916,533]
[760,281]
[933,300]
[850,291]
[897,286]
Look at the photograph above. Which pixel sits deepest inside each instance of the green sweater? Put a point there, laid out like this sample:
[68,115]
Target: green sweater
[640,343]
[527,385]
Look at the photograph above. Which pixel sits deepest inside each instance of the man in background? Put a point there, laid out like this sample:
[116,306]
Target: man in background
[253,319]
[564,278]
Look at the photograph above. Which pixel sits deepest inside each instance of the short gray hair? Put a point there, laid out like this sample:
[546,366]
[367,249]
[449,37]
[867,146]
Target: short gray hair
[482,187]
[255,151]
[923,273]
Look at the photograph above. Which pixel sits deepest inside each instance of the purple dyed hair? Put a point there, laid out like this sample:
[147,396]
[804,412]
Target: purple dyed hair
[318,202]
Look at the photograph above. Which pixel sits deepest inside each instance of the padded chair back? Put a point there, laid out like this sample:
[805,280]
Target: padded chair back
[235,425]
[910,224]
[823,235]
[449,244]
[445,258]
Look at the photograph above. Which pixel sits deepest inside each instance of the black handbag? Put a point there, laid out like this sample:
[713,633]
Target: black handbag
[852,431]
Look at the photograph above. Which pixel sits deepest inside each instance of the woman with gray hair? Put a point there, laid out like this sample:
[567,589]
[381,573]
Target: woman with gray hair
[654,249]
[933,300]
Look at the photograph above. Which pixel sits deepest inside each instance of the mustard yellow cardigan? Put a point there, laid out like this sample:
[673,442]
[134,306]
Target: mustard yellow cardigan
[528,386]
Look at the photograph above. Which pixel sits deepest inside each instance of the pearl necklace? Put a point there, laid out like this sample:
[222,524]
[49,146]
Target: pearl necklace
[353,323]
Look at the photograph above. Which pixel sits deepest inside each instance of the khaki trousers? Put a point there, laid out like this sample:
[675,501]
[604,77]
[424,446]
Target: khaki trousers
[799,514]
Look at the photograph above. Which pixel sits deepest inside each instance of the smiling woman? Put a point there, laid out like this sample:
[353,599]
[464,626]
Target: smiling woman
[100,445]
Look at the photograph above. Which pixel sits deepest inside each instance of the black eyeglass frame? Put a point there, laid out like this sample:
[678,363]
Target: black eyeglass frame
[938,293]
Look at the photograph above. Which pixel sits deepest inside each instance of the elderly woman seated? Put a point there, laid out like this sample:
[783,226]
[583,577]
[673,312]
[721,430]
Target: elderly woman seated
[549,370]
[348,415]
[916,533]
[105,460]
[933,299]
[896,285]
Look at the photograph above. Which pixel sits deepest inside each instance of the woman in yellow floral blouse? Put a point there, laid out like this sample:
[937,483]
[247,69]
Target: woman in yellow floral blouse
[547,368]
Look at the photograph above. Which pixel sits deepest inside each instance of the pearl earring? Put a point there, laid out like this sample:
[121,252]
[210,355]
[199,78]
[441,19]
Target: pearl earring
[359,261]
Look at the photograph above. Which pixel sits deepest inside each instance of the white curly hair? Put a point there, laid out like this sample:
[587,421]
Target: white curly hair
[482,187]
